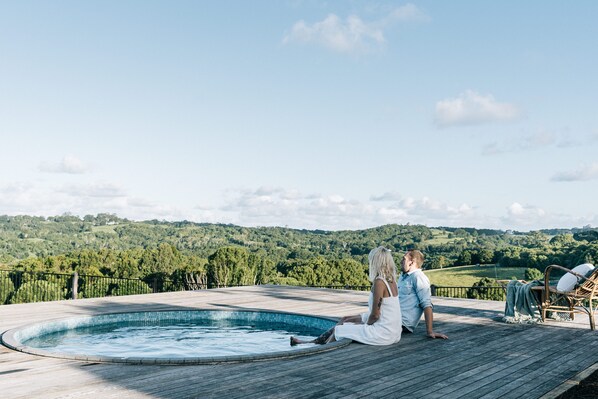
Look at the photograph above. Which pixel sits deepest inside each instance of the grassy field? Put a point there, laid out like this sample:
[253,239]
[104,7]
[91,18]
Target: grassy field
[442,238]
[105,229]
[465,276]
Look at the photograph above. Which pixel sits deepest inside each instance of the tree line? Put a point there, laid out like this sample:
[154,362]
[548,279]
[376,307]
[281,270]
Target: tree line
[217,254]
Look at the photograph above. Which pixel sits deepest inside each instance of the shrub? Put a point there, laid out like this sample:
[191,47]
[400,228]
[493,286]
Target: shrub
[131,287]
[38,291]
[533,274]
[280,280]
[486,289]
[95,290]
[7,287]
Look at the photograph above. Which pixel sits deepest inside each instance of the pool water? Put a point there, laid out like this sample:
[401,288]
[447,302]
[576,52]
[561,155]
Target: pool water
[173,337]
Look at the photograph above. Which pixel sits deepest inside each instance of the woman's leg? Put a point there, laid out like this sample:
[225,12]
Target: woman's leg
[325,338]
[331,338]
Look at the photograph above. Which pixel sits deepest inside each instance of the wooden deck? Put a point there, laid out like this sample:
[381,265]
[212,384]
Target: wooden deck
[484,357]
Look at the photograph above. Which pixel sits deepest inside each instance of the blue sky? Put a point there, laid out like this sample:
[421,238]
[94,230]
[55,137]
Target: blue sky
[308,114]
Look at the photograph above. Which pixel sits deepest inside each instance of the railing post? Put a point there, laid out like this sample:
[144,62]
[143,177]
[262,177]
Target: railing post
[75,285]
[155,285]
[433,289]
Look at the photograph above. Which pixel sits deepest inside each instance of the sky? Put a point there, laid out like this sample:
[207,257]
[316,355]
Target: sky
[328,115]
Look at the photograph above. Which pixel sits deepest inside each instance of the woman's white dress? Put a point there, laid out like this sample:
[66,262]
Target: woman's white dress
[385,331]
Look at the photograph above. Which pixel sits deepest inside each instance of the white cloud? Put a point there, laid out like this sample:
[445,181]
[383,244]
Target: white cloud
[430,209]
[29,199]
[140,203]
[279,207]
[523,217]
[526,143]
[472,108]
[530,217]
[334,212]
[69,164]
[102,189]
[540,140]
[518,210]
[388,196]
[408,12]
[568,140]
[352,35]
[585,172]
[47,200]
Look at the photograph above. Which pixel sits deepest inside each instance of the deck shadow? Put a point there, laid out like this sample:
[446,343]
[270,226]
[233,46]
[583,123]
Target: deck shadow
[482,358]
[497,360]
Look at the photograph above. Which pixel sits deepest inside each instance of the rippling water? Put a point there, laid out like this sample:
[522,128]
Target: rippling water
[174,339]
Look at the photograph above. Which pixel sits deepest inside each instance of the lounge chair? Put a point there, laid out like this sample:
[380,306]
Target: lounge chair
[580,299]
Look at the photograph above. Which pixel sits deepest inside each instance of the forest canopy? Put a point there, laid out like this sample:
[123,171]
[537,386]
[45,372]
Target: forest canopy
[107,245]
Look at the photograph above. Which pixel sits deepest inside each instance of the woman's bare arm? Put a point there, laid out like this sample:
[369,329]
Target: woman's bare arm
[355,319]
[379,288]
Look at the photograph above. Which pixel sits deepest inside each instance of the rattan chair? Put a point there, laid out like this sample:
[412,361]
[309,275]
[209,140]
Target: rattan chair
[579,300]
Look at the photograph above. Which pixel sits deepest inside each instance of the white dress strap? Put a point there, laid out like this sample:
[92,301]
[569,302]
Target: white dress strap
[387,286]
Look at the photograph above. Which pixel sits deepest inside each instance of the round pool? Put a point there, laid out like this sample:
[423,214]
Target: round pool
[172,337]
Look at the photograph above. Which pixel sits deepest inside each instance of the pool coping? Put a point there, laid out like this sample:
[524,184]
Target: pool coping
[9,340]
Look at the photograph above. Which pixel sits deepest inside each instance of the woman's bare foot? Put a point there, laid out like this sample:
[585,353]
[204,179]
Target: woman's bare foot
[295,341]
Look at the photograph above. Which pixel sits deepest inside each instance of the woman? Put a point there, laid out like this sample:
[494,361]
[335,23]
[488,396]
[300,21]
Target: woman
[381,325]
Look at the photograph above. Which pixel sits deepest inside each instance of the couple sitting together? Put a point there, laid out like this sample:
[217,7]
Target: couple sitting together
[392,308]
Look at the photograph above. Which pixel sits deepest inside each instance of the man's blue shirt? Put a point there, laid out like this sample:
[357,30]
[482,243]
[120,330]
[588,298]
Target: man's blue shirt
[415,295]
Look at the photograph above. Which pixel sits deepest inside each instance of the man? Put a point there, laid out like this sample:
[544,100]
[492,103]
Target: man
[415,294]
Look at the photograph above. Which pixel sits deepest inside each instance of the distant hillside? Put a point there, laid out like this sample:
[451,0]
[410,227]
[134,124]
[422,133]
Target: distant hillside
[108,245]
[27,236]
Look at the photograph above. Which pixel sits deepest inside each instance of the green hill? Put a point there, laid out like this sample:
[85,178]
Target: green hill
[466,276]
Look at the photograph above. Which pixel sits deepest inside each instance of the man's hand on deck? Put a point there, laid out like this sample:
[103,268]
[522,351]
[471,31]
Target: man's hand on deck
[435,335]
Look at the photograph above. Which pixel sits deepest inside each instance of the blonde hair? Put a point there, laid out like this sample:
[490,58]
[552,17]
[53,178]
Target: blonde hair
[382,264]
[417,256]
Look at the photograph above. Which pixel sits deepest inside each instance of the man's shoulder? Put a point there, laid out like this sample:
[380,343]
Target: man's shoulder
[421,277]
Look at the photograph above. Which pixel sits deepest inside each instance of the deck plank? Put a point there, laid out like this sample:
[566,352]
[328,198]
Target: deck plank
[483,357]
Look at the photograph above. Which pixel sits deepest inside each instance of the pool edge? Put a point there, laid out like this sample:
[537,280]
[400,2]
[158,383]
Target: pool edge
[9,340]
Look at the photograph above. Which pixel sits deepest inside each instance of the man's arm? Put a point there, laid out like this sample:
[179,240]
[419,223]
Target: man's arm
[429,316]
[424,294]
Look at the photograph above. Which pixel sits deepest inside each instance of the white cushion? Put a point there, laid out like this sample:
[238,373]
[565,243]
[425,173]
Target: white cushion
[569,281]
